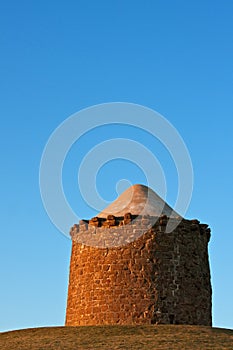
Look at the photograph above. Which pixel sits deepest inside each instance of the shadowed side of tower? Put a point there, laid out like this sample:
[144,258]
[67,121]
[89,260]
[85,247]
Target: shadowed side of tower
[157,277]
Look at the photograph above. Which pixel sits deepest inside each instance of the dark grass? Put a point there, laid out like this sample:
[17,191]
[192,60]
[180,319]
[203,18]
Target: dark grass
[118,337]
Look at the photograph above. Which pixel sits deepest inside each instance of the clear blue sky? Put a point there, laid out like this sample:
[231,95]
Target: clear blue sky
[58,57]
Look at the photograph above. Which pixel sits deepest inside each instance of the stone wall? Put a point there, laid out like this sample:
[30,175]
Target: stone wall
[158,278]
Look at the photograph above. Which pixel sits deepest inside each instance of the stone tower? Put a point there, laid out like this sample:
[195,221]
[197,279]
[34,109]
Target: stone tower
[127,268]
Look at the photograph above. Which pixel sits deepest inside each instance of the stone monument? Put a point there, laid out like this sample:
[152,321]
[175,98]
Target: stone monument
[126,268]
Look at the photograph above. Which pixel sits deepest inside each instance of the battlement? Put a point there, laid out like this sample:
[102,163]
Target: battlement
[115,231]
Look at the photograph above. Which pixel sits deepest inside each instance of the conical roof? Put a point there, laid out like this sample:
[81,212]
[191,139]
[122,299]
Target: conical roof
[139,200]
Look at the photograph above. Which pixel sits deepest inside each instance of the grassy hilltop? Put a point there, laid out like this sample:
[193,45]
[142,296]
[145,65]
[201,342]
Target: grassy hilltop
[118,337]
